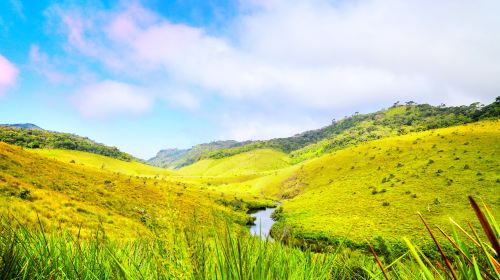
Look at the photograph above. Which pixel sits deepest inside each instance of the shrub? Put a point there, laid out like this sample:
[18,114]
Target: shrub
[385,203]
[25,194]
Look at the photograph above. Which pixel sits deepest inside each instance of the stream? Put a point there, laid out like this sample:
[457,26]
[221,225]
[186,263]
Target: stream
[263,222]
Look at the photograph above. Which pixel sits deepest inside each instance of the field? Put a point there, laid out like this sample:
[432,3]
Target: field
[103,163]
[383,184]
[379,183]
[134,221]
[82,198]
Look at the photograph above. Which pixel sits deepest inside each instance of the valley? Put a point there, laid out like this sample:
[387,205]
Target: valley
[365,188]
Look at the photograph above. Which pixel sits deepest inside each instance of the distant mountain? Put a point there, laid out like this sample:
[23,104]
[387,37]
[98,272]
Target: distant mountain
[397,120]
[177,158]
[32,136]
[23,125]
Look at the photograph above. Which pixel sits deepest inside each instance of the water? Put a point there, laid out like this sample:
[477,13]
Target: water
[263,222]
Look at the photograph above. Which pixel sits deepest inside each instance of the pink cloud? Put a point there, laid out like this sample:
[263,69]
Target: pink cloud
[8,74]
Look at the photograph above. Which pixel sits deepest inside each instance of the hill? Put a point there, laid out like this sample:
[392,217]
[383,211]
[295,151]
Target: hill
[358,128]
[38,138]
[82,199]
[103,163]
[177,158]
[376,188]
[243,164]
[23,125]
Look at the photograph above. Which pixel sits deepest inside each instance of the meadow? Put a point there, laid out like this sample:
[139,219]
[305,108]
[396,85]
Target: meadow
[350,213]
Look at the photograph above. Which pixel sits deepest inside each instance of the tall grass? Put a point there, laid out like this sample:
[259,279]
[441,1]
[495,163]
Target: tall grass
[220,252]
[472,258]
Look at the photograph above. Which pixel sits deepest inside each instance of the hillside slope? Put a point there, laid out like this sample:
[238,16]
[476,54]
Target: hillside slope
[177,158]
[38,138]
[376,188]
[103,163]
[358,128]
[252,162]
[75,197]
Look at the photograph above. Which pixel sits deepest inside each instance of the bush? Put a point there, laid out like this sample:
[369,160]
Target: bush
[25,194]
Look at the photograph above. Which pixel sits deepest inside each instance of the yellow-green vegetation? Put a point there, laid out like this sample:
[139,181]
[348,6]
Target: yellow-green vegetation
[253,162]
[115,219]
[104,163]
[377,188]
[31,136]
[73,197]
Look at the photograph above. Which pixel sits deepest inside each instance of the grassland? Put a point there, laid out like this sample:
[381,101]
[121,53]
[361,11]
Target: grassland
[377,188]
[103,163]
[75,197]
[253,162]
[366,190]
[162,224]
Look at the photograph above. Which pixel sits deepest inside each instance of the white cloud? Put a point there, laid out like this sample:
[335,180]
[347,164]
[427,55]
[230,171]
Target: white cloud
[8,75]
[313,55]
[107,98]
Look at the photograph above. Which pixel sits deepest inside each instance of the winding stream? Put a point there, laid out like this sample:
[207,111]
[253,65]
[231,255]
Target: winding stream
[263,222]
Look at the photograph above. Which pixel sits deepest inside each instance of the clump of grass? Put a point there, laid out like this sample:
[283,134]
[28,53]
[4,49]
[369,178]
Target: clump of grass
[179,252]
[473,258]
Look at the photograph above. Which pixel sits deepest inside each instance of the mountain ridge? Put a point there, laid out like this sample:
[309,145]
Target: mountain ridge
[398,119]
[23,125]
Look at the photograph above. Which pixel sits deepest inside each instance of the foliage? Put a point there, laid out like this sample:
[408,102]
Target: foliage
[358,128]
[104,163]
[37,138]
[317,194]
[175,158]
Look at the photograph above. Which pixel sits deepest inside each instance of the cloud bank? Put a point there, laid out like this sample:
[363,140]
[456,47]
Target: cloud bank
[314,55]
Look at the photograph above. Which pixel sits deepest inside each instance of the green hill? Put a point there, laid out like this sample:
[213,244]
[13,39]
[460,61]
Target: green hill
[252,162]
[177,158]
[84,198]
[358,128]
[38,138]
[103,163]
[376,188]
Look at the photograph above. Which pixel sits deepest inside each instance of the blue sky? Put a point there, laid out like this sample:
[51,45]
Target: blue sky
[147,75]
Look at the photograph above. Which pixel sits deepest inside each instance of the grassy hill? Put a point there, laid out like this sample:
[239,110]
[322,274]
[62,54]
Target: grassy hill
[358,128]
[75,197]
[252,162]
[25,136]
[102,163]
[177,158]
[376,188]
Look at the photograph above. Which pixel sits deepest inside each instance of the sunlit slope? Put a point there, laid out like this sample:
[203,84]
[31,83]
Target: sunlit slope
[70,196]
[377,188]
[103,163]
[252,162]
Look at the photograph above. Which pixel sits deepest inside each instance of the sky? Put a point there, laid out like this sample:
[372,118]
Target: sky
[154,74]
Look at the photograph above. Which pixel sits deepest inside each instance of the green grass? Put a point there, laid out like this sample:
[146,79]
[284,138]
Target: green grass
[74,196]
[363,191]
[253,162]
[103,163]
[177,253]
[217,250]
